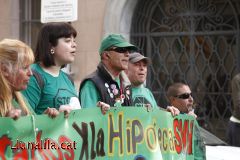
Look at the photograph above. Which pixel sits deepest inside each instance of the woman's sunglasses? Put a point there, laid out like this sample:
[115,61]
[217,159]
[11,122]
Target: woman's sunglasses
[184,95]
[120,49]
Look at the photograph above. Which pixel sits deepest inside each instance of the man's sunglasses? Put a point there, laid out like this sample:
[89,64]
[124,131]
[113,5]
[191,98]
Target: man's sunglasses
[184,95]
[120,49]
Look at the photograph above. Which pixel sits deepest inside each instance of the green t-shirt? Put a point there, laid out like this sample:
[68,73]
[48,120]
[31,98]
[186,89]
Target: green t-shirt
[141,96]
[56,91]
[89,96]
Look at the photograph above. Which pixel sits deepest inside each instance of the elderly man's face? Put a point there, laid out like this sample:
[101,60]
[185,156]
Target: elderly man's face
[118,60]
[137,72]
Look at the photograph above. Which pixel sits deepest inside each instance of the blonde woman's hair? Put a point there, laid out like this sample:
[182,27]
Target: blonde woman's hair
[13,55]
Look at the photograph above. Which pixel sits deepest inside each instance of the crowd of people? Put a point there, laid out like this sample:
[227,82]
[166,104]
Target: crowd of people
[34,83]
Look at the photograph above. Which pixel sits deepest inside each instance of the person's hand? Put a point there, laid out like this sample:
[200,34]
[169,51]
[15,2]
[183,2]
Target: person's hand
[192,113]
[103,106]
[174,111]
[66,109]
[51,112]
[14,113]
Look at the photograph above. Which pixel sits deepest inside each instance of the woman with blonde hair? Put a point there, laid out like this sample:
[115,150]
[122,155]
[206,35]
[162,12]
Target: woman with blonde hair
[15,72]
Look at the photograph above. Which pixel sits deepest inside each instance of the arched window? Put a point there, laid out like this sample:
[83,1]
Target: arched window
[196,42]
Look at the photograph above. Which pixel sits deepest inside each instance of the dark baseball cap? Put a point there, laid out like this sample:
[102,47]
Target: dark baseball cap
[136,57]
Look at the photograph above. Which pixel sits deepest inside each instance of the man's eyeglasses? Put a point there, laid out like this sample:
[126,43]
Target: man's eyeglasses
[120,49]
[184,95]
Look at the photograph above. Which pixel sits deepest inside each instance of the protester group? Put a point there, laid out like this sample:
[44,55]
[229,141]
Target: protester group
[34,82]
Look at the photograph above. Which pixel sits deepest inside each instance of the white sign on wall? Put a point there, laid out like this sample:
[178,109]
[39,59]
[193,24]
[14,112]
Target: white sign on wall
[58,10]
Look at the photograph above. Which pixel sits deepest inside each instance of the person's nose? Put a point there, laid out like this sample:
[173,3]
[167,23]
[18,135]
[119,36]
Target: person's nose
[74,44]
[190,98]
[141,67]
[29,72]
[127,53]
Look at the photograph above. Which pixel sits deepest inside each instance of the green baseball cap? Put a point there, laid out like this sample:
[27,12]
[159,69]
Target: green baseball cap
[116,40]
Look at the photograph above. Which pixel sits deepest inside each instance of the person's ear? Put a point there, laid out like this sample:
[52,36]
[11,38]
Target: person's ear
[4,70]
[52,50]
[106,55]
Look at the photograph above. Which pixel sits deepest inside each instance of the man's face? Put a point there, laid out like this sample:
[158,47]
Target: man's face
[183,100]
[118,59]
[137,72]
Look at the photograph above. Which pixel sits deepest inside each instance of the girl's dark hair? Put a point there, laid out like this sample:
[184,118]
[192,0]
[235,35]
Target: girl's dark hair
[48,37]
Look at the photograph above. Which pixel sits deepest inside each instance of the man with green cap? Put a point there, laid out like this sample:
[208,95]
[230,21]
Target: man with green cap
[107,84]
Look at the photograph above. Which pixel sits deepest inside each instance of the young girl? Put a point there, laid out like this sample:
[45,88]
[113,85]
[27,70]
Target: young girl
[55,49]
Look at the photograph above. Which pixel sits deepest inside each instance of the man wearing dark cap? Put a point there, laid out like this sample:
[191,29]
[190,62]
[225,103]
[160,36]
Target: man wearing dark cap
[107,84]
[137,74]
